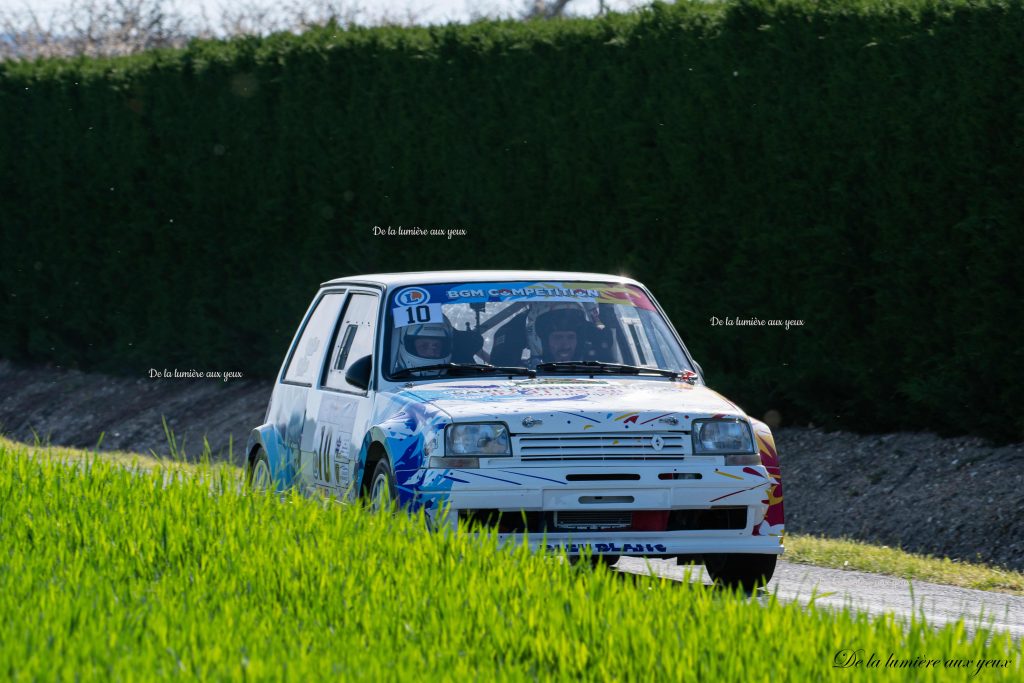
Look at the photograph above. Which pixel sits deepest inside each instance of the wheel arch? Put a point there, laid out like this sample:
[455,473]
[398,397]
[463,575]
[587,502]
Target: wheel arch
[265,437]
[376,450]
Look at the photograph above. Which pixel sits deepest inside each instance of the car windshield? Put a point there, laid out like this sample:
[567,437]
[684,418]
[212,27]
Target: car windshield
[544,326]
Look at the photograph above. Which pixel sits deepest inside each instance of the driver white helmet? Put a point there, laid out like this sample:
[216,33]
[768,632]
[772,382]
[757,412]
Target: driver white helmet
[547,315]
[423,344]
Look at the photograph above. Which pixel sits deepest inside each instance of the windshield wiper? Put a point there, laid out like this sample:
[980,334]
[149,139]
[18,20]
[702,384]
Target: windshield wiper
[465,368]
[600,366]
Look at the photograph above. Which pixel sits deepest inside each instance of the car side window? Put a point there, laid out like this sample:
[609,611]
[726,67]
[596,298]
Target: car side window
[352,340]
[304,363]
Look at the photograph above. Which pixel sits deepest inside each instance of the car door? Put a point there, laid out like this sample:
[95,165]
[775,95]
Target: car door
[338,412]
[305,359]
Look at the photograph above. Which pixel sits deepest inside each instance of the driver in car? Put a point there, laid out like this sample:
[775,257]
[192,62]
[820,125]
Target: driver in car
[556,332]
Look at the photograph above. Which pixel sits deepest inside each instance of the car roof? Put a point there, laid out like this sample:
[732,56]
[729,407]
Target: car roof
[427,277]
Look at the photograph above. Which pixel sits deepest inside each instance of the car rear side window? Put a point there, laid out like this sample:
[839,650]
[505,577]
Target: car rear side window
[354,339]
[304,363]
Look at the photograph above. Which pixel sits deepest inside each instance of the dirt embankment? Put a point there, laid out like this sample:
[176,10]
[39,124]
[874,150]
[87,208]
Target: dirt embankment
[73,408]
[960,497]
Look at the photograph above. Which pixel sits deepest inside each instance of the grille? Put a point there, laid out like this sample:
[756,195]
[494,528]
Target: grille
[594,519]
[603,447]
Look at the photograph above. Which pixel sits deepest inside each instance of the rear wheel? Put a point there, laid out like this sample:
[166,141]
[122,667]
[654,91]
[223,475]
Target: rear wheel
[746,571]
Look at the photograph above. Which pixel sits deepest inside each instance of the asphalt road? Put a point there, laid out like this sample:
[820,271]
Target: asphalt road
[872,593]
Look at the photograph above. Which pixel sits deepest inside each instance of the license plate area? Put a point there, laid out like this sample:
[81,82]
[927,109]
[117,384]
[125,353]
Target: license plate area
[592,520]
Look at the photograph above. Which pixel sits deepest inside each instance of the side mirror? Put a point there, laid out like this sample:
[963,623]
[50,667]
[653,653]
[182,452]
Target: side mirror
[699,368]
[358,374]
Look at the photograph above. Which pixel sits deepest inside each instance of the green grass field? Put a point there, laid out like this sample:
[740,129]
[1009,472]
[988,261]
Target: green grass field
[822,552]
[113,572]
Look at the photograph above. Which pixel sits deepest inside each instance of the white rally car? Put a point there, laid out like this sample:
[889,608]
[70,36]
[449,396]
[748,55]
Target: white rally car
[562,408]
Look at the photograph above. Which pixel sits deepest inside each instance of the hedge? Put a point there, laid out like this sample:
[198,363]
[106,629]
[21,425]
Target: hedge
[858,166]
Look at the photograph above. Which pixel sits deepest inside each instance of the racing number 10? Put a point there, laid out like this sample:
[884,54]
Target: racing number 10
[422,314]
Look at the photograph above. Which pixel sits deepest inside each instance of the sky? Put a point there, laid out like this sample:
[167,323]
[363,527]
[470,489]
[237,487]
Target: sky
[426,11]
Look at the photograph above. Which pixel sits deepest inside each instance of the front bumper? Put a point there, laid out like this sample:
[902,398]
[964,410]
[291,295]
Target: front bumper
[595,487]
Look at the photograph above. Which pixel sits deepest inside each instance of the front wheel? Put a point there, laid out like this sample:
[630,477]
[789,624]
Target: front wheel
[746,571]
[595,560]
[382,486]
[606,560]
[259,472]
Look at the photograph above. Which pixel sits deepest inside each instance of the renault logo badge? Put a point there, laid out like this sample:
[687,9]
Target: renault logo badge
[657,443]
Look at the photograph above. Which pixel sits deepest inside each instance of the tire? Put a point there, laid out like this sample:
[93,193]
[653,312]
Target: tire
[606,560]
[595,560]
[746,571]
[382,492]
[258,474]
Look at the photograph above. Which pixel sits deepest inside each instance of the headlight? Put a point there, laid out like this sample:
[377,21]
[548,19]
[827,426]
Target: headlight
[721,437]
[487,439]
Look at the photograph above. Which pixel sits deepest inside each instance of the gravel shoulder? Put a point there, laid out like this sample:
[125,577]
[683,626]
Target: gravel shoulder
[872,593]
[960,497]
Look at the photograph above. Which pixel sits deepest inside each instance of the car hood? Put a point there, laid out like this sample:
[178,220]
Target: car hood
[573,405]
